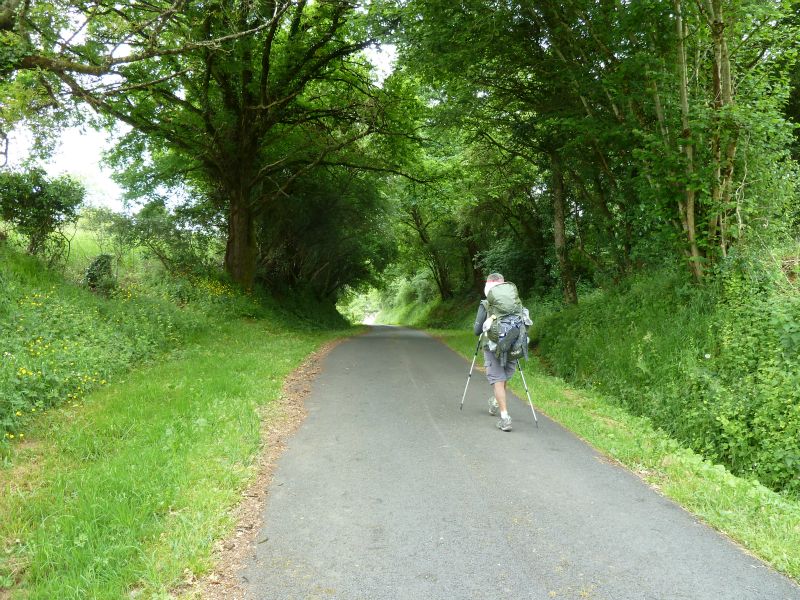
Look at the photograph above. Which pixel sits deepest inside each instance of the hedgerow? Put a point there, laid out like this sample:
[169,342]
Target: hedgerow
[715,367]
[60,341]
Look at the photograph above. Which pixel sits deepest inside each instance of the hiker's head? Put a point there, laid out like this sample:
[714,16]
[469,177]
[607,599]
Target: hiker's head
[491,281]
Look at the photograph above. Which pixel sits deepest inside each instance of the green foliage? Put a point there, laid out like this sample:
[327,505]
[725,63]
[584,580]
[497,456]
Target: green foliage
[108,231]
[416,302]
[518,262]
[715,368]
[401,292]
[419,289]
[757,389]
[99,274]
[358,307]
[61,341]
[37,206]
[792,109]
[595,85]
[172,236]
[331,233]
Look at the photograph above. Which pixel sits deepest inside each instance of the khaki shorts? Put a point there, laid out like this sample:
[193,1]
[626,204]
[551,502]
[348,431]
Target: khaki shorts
[494,372]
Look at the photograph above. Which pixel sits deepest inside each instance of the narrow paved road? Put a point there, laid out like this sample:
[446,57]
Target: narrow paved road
[387,491]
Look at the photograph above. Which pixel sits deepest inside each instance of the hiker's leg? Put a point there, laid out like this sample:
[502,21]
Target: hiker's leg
[500,387]
[498,376]
[500,395]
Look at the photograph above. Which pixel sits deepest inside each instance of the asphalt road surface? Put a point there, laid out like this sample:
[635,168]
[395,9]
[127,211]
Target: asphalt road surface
[388,491]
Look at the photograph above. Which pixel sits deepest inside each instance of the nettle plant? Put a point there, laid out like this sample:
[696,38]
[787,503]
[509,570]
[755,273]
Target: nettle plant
[758,338]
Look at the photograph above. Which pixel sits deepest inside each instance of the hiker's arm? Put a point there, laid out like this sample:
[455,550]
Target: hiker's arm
[480,318]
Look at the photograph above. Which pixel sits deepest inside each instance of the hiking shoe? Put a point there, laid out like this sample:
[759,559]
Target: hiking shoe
[504,424]
[493,406]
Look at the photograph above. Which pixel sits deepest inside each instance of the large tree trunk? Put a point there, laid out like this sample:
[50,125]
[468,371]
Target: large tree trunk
[725,133]
[241,253]
[686,206]
[560,231]
[441,275]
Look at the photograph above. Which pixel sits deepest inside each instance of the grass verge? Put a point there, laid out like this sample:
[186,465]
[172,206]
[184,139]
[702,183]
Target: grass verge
[764,522]
[124,493]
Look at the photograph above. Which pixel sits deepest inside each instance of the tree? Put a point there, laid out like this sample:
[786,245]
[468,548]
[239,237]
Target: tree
[651,161]
[238,98]
[38,206]
[429,233]
[332,233]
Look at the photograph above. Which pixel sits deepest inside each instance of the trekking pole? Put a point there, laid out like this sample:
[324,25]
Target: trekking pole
[524,383]
[470,371]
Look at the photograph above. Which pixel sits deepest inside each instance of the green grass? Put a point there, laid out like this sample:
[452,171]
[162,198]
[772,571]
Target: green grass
[715,367]
[86,244]
[132,487]
[765,522]
[130,423]
[61,341]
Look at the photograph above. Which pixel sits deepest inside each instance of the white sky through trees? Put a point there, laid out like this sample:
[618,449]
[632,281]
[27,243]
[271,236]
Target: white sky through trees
[79,154]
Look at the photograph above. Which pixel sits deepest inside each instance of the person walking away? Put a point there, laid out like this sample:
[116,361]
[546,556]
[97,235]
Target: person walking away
[501,321]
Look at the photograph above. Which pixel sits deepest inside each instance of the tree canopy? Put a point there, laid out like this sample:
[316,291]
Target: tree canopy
[562,141]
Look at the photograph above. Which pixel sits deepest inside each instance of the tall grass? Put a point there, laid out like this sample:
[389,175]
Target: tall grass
[714,367]
[628,339]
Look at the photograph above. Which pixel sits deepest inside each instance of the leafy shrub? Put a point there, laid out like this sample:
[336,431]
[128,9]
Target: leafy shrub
[170,237]
[420,289]
[756,390]
[517,263]
[109,231]
[716,367]
[37,206]
[99,276]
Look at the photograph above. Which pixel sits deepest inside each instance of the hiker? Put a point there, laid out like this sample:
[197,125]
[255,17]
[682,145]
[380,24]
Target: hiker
[501,322]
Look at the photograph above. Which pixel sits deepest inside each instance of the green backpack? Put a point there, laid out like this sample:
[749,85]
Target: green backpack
[508,330]
[503,300]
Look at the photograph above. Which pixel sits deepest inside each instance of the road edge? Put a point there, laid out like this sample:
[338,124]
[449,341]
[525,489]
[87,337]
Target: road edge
[279,421]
